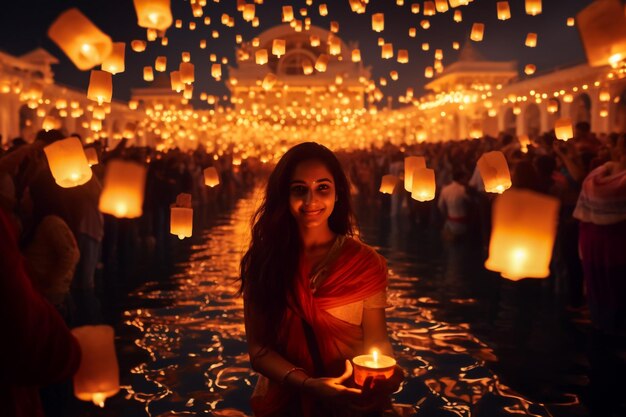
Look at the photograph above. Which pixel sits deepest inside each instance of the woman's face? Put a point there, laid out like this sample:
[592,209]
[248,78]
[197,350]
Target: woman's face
[312,194]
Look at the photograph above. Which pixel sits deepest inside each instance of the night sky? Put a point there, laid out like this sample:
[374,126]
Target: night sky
[24,23]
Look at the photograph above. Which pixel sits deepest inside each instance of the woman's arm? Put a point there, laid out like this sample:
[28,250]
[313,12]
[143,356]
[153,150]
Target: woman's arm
[375,335]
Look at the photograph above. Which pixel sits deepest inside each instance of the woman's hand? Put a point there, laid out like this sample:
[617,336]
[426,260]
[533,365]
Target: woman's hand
[333,388]
[376,391]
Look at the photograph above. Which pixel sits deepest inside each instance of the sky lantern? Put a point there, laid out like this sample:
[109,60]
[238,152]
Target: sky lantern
[153,14]
[356,55]
[187,72]
[415,8]
[475,130]
[441,6]
[92,156]
[423,184]
[261,56]
[568,98]
[458,16]
[287,13]
[403,56]
[268,81]
[181,216]
[425,24]
[211,177]
[411,163]
[552,106]
[429,72]
[160,64]
[412,32]
[278,47]
[249,12]
[100,86]
[98,376]
[524,142]
[378,22]
[323,9]
[438,54]
[67,162]
[334,26]
[456,45]
[114,63]
[531,40]
[530,69]
[478,31]
[387,51]
[429,9]
[503,9]
[315,41]
[122,193]
[602,27]
[494,171]
[50,122]
[523,231]
[563,129]
[188,92]
[334,46]
[533,7]
[133,104]
[321,63]
[216,71]
[176,82]
[604,95]
[388,184]
[82,41]
[570,21]
[148,74]
[138,45]
[307,67]
[457,3]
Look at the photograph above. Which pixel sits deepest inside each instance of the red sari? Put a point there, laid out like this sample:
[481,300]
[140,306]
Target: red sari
[358,273]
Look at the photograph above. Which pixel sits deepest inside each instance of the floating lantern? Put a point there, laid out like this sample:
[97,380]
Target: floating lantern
[524,142]
[378,22]
[83,43]
[334,46]
[92,156]
[494,171]
[261,56]
[504,11]
[177,83]
[429,72]
[188,91]
[563,129]
[568,98]
[523,231]
[411,163]
[100,86]
[412,32]
[375,365]
[185,56]
[122,194]
[148,74]
[216,71]
[441,6]
[67,162]
[307,67]
[552,106]
[403,56]
[334,27]
[425,24]
[458,16]
[602,27]
[438,54]
[315,41]
[249,12]
[388,184]
[321,63]
[531,40]
[187,72]
[268,81]
[387,51]
[98,376]
[114,63]
[604,95]
[530,69]
[456,45]
[181,216]
[429,8]
[153,14]
[323,9]
[49,123]
[478,31]
[356,55]
[604,111]
[278,47]
[160,64]
[287,13]
[211,177]
[533,7]
[423,184]
[415,8]
[138,45]
[570,21]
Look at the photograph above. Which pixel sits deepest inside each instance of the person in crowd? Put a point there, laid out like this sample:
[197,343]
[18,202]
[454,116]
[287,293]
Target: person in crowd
[314,295]
[601,209]
[454,206]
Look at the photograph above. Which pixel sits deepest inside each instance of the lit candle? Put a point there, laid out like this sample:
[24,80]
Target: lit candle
[376,365]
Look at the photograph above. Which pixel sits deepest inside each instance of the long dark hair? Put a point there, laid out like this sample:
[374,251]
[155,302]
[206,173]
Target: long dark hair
[269,266]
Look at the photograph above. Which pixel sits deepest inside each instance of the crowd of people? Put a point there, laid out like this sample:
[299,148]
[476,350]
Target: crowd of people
[70,250]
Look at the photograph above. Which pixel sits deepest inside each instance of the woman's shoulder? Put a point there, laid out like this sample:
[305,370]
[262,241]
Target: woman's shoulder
[356,247]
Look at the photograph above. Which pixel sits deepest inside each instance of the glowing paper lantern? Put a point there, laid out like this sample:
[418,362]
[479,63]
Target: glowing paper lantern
[412,32]
[494,171]
[531,40]
[602,27]
[356,55]
[530,69]
[307,67]
[378,22]
[403,56]
[563,129]
[334,46]
[387,51]
[604,95]
[83,43]
[160,64]
[321,63]
[533,7]
[268,81]
[552,106]
[429,72]
[411,163]
[429,8]
[216,71]
[181,222]
[100,86]
[323,9]
[153,14]
[122,194]
[278,47]
[188,91]
[458,16]
[114,63]
[315,41]
[187,72]
[92,156]
[478,31]
[523,231]
[261,56]
[138,46]
[97,377]
[441,6]
[475,130]
[423,184]
[249,12]
[177,83]
[568,98]
[49,123]
[67,162]
[211,177]
[504,11]
[388,184]
[570,21]
[287,13]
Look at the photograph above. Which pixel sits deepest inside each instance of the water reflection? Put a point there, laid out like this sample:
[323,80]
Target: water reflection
[191,331]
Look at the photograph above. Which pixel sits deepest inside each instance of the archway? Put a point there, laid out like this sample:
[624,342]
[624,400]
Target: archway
[580,110]
[532,120]
[510,122]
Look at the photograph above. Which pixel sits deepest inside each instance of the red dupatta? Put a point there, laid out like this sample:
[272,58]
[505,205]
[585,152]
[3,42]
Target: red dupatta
[358,272]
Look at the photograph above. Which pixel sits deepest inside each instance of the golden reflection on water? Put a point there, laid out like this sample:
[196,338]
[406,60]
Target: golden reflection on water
[192,329]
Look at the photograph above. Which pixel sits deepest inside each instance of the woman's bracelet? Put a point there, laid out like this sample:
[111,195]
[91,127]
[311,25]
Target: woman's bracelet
[295,368]
[304,381]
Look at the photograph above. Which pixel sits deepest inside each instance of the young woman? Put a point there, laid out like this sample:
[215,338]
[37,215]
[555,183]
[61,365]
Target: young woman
[314,296]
